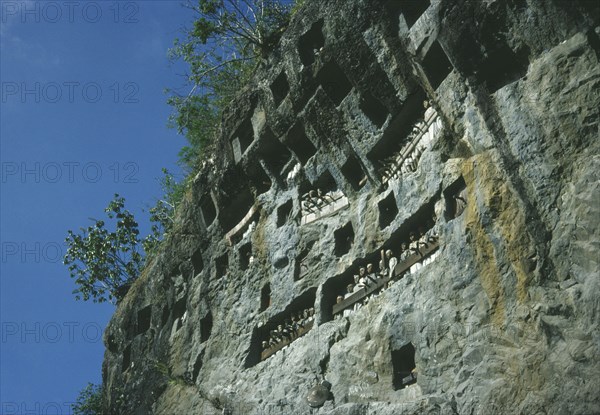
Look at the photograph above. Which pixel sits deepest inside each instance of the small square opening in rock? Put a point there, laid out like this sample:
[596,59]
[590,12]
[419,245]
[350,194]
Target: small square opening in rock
[334,82]
[388,210]
[310,43]
[283,213]
[209,212]
[436,65]
[344,239]
[280,88]
[403,363]
[354,173]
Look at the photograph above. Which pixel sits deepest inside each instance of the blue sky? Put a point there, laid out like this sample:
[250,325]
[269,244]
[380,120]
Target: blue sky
[83,115]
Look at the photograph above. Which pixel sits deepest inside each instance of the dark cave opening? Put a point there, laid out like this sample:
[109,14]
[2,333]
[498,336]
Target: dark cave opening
[403,363]
[275,155]
[206,324]
[197,262]
[310,43]
[388,210]
[258,178]
[299,143]
[455,198]
[304,301]
[344,239]
[235,208]
[209,211]
[353,172]
[334,82]
[265,297]
[373,109]
[222,265]
[280,88]
[197,366]
[126,361]
[243,137]
[436,65]
[144,316]
[283,213]
[504,66]
[394,137]
[245,253]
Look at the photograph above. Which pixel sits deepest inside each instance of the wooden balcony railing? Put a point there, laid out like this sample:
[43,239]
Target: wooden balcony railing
[401,267]
[392,169]
[299,333]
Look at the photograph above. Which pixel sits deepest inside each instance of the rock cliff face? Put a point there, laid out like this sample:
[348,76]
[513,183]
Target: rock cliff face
[476,121]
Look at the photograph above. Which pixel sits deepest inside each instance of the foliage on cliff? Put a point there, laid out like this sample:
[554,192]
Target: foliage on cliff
[89,401]
[102,260]
[228,41]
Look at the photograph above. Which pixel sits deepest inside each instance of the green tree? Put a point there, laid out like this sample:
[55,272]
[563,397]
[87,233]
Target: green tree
[103,261]
[229,39]
[89,401]
[162,214]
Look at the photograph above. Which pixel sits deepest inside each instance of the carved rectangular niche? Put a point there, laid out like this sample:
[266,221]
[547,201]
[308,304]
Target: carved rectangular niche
[299,143]
[455,197]
[245,253]
[265,297]
[144,316]
[334,82]
[344,239]
[394,136]
[280,88]
[283,213]
[235,208]
[302,266]
[373,109]
[244,227]
[403,364]
[310,43]
[206,324]
[321,199]
[256,353]
[336,286]
[388,210]
[197,262]
[275,155]
[410,9]
[436,65]
[421,220]
[179,309]
[197,365]
[504,66]
[126,361]
[353,172]
[209,211]
[243,137]
[222,265]
[258,178]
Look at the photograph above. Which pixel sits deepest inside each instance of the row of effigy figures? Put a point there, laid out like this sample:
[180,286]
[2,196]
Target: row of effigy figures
[315,200]
[367,276]
[289,329]
[421,137]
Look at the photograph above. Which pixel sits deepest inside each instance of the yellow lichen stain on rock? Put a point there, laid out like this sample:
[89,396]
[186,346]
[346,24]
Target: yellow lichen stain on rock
[488,190]
[259,246]
[483,248]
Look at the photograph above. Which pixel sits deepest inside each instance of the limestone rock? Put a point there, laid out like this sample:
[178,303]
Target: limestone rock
[502,318]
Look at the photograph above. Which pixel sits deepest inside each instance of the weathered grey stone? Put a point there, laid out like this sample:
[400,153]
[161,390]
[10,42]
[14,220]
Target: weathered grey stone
[503,320]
